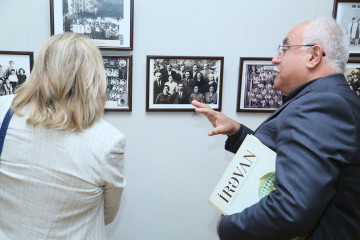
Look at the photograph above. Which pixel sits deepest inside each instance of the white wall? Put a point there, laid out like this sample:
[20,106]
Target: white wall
[171,164]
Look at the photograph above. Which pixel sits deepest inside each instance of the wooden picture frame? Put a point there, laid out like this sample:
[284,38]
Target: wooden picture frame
[352,75]
[108,23]
[347,14]
[15,69]
[175,73]
[118,70]
[256,92]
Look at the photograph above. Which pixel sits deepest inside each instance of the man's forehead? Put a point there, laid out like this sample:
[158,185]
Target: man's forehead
[295,36]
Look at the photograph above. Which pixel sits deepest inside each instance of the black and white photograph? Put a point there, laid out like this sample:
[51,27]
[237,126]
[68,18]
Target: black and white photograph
[256,92]
[118,70]
[109,23]
[15,69]
[352,75]
[174,82]
[347,14]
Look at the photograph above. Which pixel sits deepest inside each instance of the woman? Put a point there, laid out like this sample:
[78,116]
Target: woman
[172,85]
[164,97]
[61,165]
[196,95]
[200,82]
[21,77]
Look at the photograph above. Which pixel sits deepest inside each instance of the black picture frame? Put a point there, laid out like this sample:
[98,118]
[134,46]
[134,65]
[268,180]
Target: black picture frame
[118,70]
[344,11]
[109,24]
[352,75]
[209,71]
[256,92]
[15,69]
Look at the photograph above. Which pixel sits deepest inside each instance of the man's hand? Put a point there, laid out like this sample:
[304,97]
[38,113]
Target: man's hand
[221,123]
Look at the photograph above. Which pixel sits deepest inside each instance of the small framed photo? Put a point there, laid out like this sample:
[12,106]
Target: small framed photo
[118,70]
[172,83]
[347,14]
[352,75]
[256,92]
[15,68]
[108,23]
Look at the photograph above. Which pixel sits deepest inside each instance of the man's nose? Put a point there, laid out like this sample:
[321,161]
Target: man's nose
[276,60]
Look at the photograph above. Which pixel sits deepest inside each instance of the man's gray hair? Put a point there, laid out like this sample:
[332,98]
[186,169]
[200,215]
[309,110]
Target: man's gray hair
[325,32]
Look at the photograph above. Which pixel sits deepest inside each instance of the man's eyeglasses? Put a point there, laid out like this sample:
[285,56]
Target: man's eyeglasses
[280,50]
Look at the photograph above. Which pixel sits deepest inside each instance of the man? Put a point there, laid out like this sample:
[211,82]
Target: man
[180,74]
[11,67]
[180,97]
[351,30]
[188,83]
[194,71]
[165,73]
[316,137]
[206,72]
[158,85]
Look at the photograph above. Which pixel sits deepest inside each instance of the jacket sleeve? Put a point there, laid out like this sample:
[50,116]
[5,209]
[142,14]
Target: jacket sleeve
[316,139]
[233,142]
[114,177]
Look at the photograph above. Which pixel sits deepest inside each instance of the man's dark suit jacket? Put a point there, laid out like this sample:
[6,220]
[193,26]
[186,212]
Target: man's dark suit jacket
[176,99]
[316,136]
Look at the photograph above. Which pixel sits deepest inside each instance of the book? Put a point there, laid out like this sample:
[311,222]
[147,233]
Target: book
[248,178]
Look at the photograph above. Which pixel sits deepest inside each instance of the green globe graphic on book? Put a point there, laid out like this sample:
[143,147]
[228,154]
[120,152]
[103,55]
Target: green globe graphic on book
[266,184]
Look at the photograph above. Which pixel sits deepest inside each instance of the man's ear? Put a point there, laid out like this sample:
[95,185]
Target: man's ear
[315,56]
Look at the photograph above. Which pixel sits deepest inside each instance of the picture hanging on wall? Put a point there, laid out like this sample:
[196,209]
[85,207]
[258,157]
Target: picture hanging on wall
[352,75]
[109,24]
[15,69]
[173,82]
[256,92]
[118,70]
[347,14]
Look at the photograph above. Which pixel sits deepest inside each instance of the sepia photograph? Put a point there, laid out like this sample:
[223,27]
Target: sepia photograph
[108,23]
[256,92]
[118,70]
[174,82]
[347,14]
[15,69]
[352,75]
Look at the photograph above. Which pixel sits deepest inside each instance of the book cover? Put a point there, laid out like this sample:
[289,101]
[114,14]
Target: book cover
[248,178]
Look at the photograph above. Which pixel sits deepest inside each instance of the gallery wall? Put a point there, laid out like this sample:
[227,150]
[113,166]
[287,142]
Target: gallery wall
[171,165]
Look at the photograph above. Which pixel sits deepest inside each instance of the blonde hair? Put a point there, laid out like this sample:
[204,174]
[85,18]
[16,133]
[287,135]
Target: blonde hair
[66,88]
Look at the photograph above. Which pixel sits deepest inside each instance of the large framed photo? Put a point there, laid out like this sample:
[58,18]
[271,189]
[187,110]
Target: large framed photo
[352,75]
[109,23]
[118,70]
[347,14]
[15,69]
[172,83]
[256,92]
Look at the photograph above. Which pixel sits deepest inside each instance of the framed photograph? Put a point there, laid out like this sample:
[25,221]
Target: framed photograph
[347,14]
[256,92]
[352,75]
[108,23]
[118,70]
[15,68]
[172,83]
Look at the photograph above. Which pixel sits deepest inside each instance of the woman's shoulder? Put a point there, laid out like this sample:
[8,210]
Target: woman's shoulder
[105,130]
